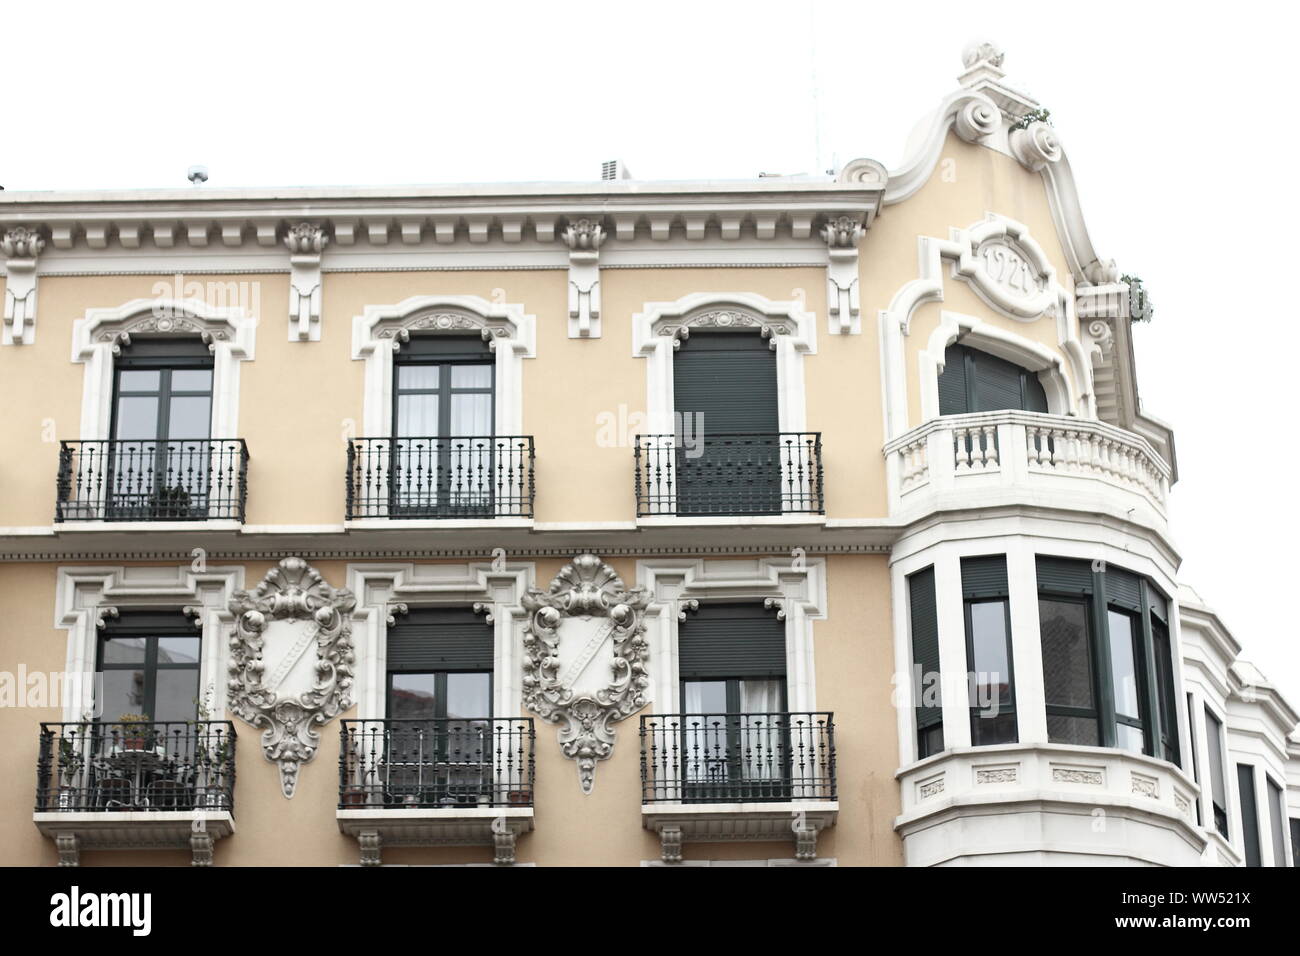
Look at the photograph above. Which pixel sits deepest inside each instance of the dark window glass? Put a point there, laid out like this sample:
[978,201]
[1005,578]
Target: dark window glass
[1249,812]
[1165,691]
[1218,786]
[150,665]
[1196,761]
[1295,842]
[1126,679]
[925,664]
[1068,671]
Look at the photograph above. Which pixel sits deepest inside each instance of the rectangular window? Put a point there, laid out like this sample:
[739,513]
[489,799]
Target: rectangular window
[1277,823]
[925,664]
[1166,691]
[737,740]
[988,650]
[1249,813]
[1218,786]
[149,664]
[1295,842]
[1068,672]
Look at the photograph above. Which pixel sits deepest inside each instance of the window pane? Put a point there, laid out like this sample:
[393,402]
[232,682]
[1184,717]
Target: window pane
[1072,730]
[137,417]
[1067,661]
[471,414]
[190,417]
[1123,664]
[1129,738]
[991,687]
[123,650]
[177,694]
[178,650]
[123,693]
[417,416]
[1249,812]
[705,697]
[1214,744]
[469,695]
[762,696]
[413,696]
[471,376]
[192,380]
[988,730]
[138,381]
[417,376]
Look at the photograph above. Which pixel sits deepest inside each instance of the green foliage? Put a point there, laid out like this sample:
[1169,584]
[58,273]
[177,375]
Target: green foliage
[1039,115]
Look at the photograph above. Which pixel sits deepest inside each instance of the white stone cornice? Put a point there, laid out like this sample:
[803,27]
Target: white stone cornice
[20,247]
[305,242]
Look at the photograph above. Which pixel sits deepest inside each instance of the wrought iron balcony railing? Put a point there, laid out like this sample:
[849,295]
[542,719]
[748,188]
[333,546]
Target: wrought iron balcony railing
[137,480]
[438,764]
[106,767]
[737,758]
[466,477]
[737,474]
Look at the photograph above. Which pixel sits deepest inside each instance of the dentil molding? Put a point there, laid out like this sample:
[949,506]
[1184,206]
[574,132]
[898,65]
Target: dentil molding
[291,661]
[585,656]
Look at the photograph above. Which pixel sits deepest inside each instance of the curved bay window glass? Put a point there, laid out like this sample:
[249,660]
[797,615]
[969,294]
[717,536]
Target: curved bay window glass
[1107,662]
[975,381]
[442,454]
[988,650]
[438,745]
[161,462]
[149,667]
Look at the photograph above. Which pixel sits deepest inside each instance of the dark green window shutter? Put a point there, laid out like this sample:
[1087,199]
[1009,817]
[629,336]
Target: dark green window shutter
[449,348]
[729,378]
[1064,575]
[975,381]
[984,577]
[731,641]
[1249,812]
[1123,588]
[440,639]
[952,382]
[925,643]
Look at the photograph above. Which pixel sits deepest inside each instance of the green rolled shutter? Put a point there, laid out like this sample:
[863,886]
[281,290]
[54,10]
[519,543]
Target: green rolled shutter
[440,639]
[731,641]
[984,577]
[952,382]
[1064,575]
[925,640]
[730,379]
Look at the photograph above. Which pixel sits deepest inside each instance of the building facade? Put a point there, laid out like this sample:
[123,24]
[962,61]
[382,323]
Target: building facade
[798,521]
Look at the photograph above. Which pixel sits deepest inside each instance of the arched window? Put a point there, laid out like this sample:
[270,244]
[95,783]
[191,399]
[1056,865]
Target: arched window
[975,381]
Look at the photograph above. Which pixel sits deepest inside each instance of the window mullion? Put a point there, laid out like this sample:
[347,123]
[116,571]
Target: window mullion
[1155,731]
[1104,677]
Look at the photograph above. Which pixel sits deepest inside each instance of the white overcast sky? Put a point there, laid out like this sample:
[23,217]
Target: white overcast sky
[1178,120]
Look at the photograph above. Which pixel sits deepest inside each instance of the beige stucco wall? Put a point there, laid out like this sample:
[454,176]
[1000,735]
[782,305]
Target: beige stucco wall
[854,662]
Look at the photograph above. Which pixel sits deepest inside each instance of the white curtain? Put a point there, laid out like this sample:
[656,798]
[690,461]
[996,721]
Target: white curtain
[761,742]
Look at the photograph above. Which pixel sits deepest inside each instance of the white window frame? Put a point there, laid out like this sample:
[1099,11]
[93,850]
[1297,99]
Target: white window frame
[797,585]
[380,330]
[86,598]
[229,331]
[384,590]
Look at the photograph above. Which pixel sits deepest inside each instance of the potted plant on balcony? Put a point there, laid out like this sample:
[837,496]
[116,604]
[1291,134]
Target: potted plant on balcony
[72,760]
[136,731]
[212,751]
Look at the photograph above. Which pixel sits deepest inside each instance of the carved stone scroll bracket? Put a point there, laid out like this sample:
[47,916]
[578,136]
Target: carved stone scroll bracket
[504,838]
[584,237]
[585,654]
[201,848]
[306,241]
[372,847]
[20,246]
[842,235]
[670,844]
[69,847]
[267,688]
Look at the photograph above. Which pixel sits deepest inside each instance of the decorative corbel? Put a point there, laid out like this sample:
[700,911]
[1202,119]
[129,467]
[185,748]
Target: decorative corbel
[670,844]
[20,246]
[69,847]
[841,236]
[372,847]
[583,237]
[201,848]
[306,241]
